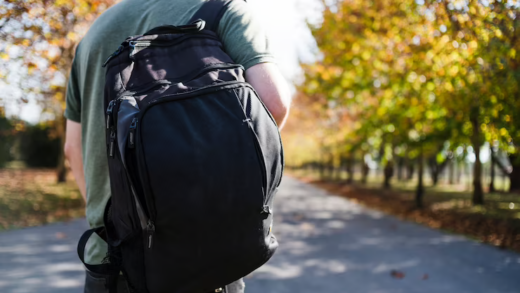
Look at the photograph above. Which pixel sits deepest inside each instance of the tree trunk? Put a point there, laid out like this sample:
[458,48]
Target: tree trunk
[451,172]
[492,170]
[514,175]
[350,165]
[476,140]
[364,172]
[322,170]
[61,169]
[330,169]
[513,172]
[338,170]
[434,170]
[419,193]
[459,172]
[410,170]
[468,176]
[388,173]
[400,167]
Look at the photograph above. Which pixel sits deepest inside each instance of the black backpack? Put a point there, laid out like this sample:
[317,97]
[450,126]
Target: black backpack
[195,159]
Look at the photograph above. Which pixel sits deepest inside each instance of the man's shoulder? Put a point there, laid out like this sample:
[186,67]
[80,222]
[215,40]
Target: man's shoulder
[244,36]
[112,20]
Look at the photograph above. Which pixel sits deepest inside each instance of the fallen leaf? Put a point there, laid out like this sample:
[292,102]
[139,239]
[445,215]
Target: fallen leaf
[61,235]
[425,277]
[307,226]
[397,274]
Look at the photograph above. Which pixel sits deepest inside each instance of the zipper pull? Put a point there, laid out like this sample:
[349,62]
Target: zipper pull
[131,135]
[112,144]
[150,228]
[110,109]
[131,44]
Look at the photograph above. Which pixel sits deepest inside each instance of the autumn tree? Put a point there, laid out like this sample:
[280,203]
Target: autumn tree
[373,65]
[484,75]
[40,37]
[421,79]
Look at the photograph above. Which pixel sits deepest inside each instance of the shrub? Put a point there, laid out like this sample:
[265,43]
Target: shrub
[37,146]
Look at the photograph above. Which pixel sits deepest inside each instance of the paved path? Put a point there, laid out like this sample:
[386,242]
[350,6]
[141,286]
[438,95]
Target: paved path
[328,245]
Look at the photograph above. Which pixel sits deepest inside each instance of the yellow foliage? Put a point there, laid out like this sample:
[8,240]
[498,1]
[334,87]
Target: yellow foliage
[422,68]
[454,70]
[448,86]
[512,53]
[498,33]
[58,96]
[54,25]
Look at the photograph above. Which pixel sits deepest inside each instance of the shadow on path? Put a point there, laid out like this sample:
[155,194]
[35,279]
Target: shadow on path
[330,244]
[327,245]
[42,259]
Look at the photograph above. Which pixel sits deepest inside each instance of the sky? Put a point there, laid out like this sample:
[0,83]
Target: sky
[286,25]
[291,40]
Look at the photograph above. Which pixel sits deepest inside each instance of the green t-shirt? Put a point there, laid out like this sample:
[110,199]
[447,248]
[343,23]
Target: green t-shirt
[240,31]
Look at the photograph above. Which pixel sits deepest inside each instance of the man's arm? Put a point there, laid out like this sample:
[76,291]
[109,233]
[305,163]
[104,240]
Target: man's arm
[272,88]
[73,151]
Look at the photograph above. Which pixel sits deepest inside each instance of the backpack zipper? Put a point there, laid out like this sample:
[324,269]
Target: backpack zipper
[265,207]
[109,111]
[186,95]
[112,125]
[162,43]
[132,44]
[131,134]
[149,224]
[164,82]
[165,43]
[133,143]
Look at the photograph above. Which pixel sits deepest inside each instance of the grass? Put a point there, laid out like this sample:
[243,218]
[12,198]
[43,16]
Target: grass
[446,207]
[31,197]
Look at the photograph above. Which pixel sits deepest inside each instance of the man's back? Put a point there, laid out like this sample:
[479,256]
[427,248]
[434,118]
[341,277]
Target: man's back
[241,35]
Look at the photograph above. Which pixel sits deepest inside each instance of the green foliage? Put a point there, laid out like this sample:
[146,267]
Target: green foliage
[37,146]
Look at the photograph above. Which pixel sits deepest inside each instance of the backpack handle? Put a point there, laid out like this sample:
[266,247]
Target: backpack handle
[193,27]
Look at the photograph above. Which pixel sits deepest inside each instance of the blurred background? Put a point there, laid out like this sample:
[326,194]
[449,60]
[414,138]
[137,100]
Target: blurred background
[409,107]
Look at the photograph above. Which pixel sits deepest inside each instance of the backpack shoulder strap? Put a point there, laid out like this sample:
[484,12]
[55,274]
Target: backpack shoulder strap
[211,12]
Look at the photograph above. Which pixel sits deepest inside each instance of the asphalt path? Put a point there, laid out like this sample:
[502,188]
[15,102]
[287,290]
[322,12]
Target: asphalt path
[328,244]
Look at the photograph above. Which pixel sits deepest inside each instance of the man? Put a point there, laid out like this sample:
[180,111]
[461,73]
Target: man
[244,40]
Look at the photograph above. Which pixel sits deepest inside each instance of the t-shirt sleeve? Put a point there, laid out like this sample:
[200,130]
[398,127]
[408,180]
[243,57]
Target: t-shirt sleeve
[243,35]
[73,101]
